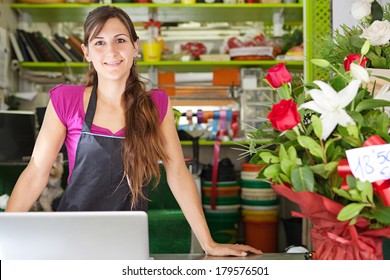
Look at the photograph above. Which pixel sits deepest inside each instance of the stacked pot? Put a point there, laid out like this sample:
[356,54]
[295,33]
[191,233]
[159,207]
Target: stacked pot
[222,202]
[260,210]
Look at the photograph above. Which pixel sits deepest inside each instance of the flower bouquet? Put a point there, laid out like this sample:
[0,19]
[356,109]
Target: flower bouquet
[325,149]
[372,24]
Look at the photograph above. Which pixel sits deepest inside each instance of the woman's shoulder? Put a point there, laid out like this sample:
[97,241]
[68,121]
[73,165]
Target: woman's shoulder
[67,89]
[160,99]
[67,100]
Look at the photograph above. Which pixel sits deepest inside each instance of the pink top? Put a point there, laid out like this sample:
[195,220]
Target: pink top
[68,103]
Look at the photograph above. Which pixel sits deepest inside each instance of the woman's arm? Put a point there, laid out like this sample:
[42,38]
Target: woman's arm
[184,189]
[34,178]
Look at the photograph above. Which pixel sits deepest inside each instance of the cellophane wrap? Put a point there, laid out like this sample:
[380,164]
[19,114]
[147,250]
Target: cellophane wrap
[331,238]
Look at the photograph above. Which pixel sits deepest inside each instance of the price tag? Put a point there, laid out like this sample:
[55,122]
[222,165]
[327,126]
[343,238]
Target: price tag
[370,163]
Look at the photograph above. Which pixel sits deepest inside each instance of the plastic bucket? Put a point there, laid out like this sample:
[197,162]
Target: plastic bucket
[262,234]
[223,226]
[254,215]
[151,51]
[221,184]
[255,184]
[258,194]
[227,200]
[250,167]
[222,192]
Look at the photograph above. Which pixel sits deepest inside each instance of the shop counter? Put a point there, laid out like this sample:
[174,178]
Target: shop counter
[265,256]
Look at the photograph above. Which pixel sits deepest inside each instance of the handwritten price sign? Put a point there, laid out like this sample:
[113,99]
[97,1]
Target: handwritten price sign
[370,163]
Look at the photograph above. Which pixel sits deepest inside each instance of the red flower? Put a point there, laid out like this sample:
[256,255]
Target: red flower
[284,115]
[352,58]
[278,75]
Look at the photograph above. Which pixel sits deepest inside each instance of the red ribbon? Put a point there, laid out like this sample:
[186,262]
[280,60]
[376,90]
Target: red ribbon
[382,187]
[214,175]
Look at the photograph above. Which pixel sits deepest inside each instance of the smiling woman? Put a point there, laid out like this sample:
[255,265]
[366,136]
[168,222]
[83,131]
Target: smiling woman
[120,132]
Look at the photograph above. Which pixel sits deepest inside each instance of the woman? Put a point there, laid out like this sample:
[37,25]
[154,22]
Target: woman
[115,133]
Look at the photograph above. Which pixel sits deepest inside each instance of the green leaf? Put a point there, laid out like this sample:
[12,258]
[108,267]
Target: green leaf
[317,125]
[292,153]
[376,11]
[353,141]
[338,83]
[382,123]
[353,130]
[356,41]
[356,195]
[350,211]
[272,171]
[369,104]
[382,215]
[366,190]
[377,61]
[302,179]
[268,157]
[282,153]
[286,165]
[342,193]
[309,143]
[324,170]
[284,178]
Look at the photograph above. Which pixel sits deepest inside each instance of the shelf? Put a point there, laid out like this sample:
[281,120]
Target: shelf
[71,12]
[176,66]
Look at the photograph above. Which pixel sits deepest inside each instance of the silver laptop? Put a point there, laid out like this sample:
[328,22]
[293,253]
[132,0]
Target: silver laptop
[74,236]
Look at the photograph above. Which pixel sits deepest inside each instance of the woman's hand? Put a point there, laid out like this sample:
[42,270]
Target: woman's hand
[238,250]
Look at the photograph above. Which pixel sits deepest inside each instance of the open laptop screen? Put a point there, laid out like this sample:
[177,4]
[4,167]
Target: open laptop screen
[74,235]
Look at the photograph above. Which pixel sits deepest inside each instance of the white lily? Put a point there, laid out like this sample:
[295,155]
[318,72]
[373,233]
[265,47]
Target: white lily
[384,94]
[330,104]
[359,73]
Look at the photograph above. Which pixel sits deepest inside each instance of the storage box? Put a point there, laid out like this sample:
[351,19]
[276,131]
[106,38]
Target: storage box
[166,81]
[226,77]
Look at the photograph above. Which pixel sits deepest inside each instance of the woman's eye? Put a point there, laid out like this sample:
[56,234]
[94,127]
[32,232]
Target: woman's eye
[121,40]
[99,43]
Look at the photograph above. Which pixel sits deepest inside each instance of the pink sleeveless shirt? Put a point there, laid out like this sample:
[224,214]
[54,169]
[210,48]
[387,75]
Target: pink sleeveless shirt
[68,102]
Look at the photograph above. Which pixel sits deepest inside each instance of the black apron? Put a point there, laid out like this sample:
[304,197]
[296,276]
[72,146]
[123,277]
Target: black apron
[97,182]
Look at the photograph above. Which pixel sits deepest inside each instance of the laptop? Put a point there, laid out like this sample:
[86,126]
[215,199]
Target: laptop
[74,235]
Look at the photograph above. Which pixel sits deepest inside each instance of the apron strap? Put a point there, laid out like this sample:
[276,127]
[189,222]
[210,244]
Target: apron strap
[90,110]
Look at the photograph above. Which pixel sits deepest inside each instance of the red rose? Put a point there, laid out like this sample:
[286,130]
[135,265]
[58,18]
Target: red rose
[352,58]
[278,75]
[284,115]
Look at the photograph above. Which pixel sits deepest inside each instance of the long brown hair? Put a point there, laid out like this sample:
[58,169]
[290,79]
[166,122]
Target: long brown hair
[144,142]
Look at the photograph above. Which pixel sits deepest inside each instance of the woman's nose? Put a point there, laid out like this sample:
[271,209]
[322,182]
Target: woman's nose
[112,48]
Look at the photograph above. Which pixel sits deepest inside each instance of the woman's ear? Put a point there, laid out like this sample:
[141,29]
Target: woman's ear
[136,48]
[86,53]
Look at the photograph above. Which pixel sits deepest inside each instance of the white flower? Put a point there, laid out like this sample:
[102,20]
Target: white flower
[384,94]
[360,10]
[378,32]
[359,73]
[3,201]
[330,104]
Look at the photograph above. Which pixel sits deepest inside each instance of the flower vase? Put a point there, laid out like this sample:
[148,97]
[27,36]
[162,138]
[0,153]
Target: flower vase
[333,239]
[378,81]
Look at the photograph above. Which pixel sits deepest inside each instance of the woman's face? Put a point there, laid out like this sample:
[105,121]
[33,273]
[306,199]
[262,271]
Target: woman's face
[111,51]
